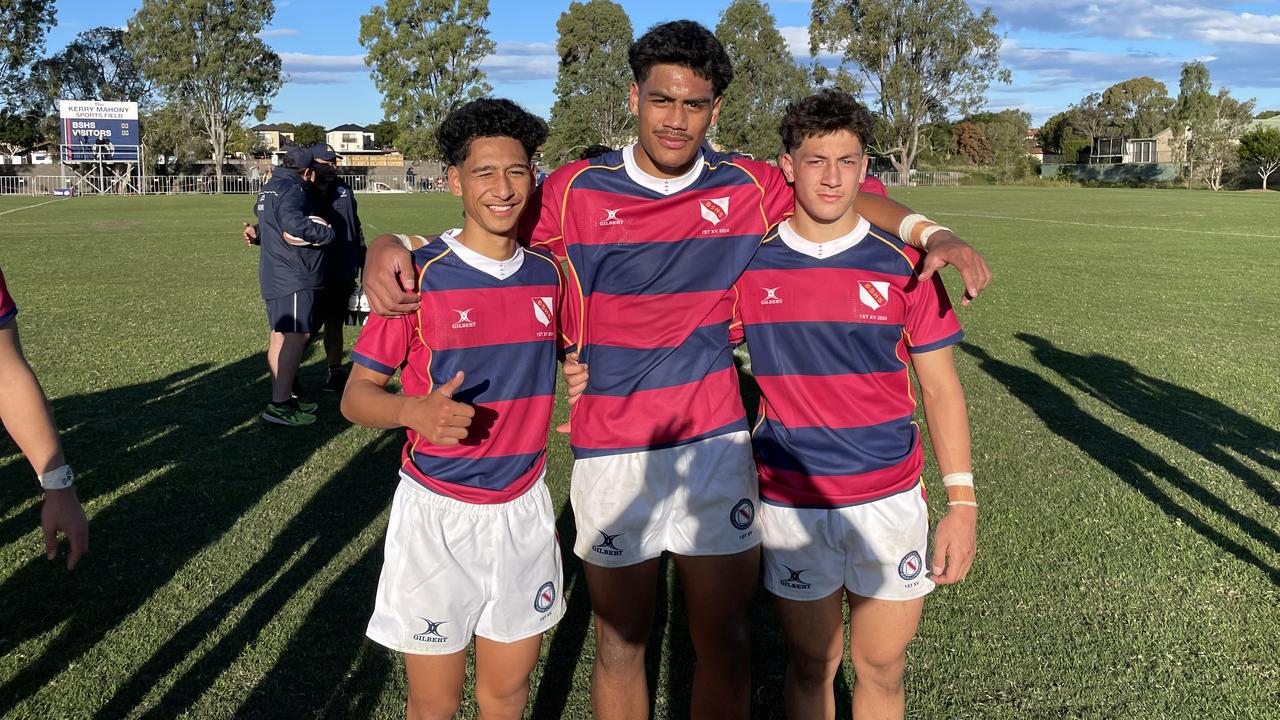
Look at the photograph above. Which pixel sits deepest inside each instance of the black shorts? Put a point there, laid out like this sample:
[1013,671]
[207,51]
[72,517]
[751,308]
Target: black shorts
[293,313]
[331,301]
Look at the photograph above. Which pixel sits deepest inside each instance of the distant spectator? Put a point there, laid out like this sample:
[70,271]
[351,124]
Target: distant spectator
[592,151]
[408,178]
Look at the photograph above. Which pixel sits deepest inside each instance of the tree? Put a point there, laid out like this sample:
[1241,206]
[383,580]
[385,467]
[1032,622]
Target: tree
[206,55]
[969,142]
[384,134]
[1266,115]
[23,24]
[918,57]
[1139,107]
[1260,148]
[425,56]
[1089,118]
[766,78]
[1007,133]
[307,134]
[1053,131]
[1193,107]
[96,65]
[19,131]
[1213,146]
[592,80]
[170,131]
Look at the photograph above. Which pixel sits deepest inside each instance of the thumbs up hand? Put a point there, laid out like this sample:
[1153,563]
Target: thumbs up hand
[437,417]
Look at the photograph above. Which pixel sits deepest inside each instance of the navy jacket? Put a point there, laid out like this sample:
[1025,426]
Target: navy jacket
[284,269]
[345,255]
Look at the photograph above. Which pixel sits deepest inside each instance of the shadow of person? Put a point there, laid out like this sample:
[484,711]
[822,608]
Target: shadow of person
[348,502]
[1128,459]
[1198,423]
[167,467]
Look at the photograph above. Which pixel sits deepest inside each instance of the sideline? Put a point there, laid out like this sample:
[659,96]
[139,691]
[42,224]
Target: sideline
[28,207]
[1107,225]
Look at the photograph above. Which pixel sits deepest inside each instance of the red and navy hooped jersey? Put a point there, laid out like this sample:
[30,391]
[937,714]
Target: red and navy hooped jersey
[8,309]
[505,335]
[830,340]
[654,267]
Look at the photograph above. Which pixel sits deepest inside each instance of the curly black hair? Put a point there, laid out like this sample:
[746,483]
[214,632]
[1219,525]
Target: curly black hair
[822,114]
[488,117]
[684,43]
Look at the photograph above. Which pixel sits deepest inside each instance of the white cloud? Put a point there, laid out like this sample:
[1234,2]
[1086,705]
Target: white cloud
[1209,22]
[319,78]
[515,62]
[1064,66]
[278,32]
[295,62]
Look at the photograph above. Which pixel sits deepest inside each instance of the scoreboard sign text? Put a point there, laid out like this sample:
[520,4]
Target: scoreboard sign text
[97,130]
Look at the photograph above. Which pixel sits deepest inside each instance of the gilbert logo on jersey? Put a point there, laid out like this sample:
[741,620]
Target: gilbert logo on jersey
[464,319]
[715,210]
[771,296]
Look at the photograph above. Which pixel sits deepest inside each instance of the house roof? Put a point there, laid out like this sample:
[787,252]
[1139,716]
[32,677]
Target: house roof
[273,127]
[349,127]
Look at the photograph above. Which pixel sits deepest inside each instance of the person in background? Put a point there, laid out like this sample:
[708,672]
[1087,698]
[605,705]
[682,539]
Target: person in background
[336,203]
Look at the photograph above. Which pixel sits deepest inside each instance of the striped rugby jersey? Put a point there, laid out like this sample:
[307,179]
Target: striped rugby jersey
[830,328]
[653,261]
[501,323]
[8,309]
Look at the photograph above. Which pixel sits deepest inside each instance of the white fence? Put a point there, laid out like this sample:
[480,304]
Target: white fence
[921,179]
[189,184]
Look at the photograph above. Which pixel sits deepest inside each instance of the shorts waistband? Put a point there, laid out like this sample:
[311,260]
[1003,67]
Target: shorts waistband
[423,494]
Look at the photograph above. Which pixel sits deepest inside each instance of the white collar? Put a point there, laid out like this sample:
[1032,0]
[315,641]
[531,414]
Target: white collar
[662,186]
[827,249]
[500,269]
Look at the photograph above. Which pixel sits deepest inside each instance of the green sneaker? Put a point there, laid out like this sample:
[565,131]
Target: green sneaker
[304,405]
[287,414]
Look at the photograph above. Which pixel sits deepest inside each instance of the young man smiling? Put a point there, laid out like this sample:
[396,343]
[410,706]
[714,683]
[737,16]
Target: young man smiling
[655,236]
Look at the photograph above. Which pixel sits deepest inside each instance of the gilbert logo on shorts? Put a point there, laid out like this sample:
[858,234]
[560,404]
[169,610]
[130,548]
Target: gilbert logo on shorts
[432,634]
[606,546]
[771,296]
[715,210]
[464,319]
[611,217]
[873,293]
[542,310]
[743,514]
[794,581]
[545,598]
[910,566]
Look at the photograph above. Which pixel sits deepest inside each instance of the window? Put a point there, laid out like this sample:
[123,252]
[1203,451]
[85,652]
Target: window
[1144,151]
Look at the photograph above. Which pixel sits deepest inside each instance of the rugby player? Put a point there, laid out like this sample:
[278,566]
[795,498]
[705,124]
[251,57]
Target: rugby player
[832,308]
[655,236]
[28,417]
[471,545]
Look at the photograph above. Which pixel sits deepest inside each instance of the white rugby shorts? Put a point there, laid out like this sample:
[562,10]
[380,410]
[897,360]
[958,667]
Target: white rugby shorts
[455,569]
[694,499]
[877,549]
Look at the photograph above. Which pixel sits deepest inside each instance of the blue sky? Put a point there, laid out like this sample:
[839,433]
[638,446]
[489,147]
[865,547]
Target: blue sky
[1058,50]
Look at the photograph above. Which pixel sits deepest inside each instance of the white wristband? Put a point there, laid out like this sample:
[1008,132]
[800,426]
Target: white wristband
[962,479]
[965,503]
[928,233]
[908,224]
[58,478]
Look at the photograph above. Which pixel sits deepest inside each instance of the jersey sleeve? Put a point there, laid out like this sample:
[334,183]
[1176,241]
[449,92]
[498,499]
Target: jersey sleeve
[8,309]
[569,318]
[931,322]
[736,332]
[779,199]
[383,345]
[540,223]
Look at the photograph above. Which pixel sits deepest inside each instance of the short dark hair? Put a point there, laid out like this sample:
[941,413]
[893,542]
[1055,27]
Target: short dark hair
[684,43]
[822,114]
[488,117]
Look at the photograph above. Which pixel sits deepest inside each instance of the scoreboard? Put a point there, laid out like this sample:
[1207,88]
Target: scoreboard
[99,131]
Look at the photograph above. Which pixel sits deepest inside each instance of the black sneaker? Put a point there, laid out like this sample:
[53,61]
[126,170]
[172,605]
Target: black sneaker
[337,380]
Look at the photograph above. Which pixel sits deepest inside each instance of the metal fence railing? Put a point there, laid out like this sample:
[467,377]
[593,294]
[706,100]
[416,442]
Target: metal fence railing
[190,184]
[917,178]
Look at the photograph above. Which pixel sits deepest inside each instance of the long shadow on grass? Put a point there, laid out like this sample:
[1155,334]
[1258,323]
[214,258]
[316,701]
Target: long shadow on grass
[1128,459]
[330,521]
[197,434]
[1201,424]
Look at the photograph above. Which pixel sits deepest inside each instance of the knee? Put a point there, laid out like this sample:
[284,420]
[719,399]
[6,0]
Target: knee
[619,649]
[814,668]
[502,698]
[433,706]
[883,670]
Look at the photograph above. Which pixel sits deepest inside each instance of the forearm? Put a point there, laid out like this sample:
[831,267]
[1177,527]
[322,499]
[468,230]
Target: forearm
[366,403]
[886,213]
[28,416]
[948,421]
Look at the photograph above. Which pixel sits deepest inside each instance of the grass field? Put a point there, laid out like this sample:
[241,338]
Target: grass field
[1122,379]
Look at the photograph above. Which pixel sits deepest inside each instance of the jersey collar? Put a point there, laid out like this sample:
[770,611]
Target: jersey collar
[662,186]
[821,251]
[500,269]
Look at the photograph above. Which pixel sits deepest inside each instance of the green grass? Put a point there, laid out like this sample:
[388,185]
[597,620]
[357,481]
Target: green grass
[1121,375]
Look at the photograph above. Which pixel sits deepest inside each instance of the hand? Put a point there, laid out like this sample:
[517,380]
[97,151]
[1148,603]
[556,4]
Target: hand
[250,235]
[386,262]
[62,513]
[575,378]
[954,544]
[437,417]
[947,249]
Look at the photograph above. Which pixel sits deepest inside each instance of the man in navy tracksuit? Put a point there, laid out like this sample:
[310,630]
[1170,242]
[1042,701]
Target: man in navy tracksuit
[343,257]
[291,273]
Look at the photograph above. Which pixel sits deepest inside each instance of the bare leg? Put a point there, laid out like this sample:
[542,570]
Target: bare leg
[718,590]
[502,676]
[815,644]
[333,341]
[288,357]
[623,601]
[879,631]
[435,685]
